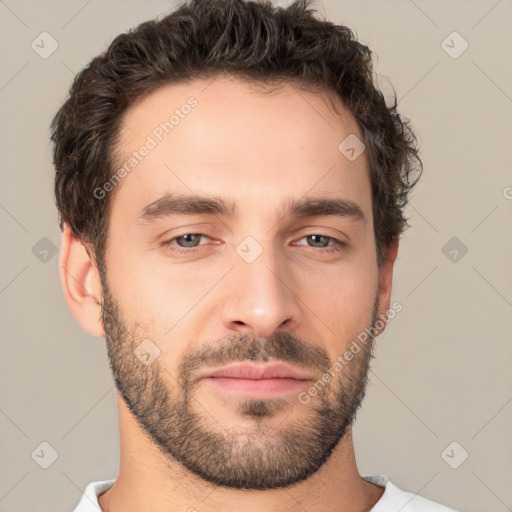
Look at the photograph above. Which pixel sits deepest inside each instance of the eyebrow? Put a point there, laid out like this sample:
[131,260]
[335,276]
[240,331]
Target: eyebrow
[179,204]
[323,206]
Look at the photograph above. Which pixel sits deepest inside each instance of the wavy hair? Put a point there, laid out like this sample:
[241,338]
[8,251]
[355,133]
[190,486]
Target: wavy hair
[255,41]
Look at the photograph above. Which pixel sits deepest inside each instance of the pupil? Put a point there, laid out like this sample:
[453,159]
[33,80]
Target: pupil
[189,240]
[317,239]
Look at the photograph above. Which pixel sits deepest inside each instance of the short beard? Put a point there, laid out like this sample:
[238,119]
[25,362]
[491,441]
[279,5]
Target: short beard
[260,457]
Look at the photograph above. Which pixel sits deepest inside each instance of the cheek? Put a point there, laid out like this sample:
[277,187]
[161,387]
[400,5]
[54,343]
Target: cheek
[344,299]
[160,294]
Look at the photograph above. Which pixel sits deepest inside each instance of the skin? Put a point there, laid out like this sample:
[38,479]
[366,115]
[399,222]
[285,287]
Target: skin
[257,151]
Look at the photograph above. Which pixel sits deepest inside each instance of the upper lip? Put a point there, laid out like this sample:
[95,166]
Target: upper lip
[257,371]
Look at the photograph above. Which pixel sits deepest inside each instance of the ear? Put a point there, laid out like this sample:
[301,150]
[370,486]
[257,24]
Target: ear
[385,284]
[81,283]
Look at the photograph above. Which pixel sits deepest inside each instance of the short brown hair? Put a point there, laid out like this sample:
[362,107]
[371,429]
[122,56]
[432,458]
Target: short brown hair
[251,40]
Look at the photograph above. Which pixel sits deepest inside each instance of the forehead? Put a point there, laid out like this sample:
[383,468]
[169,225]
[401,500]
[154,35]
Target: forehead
[226,138]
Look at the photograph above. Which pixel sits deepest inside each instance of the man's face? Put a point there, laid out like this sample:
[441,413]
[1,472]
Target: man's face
[206,288]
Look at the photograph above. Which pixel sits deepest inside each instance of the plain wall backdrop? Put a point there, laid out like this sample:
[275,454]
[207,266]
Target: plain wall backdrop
[440,387]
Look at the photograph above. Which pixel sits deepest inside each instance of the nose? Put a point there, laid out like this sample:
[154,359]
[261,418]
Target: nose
[259,297]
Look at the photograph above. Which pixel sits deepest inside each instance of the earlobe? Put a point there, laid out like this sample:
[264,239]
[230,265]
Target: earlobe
[385,283]
[81,284]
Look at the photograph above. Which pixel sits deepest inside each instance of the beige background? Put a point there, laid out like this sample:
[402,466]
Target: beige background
[443,365]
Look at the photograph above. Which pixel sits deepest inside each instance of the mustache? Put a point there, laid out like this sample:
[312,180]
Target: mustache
[281,346]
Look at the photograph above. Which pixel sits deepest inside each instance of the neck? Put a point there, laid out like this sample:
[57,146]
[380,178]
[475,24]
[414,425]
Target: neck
[150,482]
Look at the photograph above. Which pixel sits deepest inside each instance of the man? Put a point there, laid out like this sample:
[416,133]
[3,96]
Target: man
[231,187]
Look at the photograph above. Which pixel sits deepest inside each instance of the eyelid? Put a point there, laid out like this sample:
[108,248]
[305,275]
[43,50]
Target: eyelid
[320,234]
[337,245]
[196,233]
[340,236]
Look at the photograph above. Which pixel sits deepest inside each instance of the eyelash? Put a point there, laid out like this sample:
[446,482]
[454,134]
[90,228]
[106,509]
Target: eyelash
[168,244]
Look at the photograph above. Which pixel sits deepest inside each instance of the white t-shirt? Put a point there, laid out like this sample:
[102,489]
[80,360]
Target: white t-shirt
[393,499]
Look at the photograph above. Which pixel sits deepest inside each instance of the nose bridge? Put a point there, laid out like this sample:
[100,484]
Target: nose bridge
[259,298]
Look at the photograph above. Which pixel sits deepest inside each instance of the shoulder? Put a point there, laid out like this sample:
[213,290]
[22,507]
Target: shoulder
[89,500]
[395,499]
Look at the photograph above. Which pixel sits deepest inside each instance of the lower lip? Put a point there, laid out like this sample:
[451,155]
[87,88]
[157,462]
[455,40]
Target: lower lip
[257,387]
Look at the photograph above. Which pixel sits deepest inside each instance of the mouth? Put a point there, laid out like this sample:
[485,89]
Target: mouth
[257,380]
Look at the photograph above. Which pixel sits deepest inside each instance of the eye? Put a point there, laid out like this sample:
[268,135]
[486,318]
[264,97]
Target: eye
[325,243]
[320,241]
[189,240]
[184,243]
